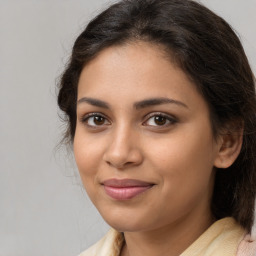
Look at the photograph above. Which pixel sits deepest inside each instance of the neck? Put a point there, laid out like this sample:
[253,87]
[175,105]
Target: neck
[171,239]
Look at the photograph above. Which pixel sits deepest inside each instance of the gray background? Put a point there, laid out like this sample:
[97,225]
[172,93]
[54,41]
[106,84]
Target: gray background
[44,210]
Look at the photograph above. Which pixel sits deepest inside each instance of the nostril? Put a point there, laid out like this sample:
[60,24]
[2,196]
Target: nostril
[122,154]
[120,165]
[129,163]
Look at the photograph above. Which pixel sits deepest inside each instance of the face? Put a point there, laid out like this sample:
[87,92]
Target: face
[143,143]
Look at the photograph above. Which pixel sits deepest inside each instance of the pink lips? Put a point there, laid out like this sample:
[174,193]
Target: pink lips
[125,189]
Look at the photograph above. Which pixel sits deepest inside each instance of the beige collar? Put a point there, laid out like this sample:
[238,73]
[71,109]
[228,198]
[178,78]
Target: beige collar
[220,239]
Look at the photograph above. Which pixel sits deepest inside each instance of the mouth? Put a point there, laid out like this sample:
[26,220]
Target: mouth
[125,189]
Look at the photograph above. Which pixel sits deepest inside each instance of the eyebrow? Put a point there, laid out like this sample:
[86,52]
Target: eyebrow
[137,105]
[94,102]
[157,101]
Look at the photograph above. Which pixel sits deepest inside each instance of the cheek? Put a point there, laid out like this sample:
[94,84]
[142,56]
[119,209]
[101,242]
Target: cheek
[184,160]
[87,155]
[186,180]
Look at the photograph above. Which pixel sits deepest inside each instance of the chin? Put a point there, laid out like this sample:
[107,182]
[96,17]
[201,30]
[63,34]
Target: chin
[125,227]
[124,222]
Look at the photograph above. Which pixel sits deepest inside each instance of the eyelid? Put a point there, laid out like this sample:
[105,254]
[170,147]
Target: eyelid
[172,119]
[85,117]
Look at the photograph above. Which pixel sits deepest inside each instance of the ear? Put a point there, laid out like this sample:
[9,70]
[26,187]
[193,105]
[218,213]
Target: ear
[230,145]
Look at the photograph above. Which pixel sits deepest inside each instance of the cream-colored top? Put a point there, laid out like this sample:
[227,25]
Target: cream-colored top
[220,239]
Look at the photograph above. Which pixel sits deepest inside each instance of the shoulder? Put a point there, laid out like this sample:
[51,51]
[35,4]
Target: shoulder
[110,244]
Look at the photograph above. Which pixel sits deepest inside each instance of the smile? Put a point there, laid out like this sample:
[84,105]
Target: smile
[125,189]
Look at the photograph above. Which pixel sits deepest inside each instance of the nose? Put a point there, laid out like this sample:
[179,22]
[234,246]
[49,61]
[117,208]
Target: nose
[123,150]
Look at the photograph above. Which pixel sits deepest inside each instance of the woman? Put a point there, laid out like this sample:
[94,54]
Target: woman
[160,106]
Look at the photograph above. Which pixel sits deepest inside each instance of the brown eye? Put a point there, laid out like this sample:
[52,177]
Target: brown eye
[95,120]
[98,120]
[160,120]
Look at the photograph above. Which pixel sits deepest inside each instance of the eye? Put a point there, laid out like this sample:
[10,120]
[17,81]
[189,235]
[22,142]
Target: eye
[159,119]
[95,120]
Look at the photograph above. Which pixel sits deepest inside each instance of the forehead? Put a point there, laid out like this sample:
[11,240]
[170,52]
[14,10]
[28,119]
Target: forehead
[134,71]
[126,60]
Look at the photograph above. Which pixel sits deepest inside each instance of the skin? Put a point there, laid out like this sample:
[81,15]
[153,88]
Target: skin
[178,157]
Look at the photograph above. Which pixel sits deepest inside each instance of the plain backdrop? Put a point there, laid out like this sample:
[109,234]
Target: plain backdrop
[44,209]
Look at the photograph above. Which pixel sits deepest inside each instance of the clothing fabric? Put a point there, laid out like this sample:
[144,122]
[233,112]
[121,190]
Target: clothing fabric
[223,238]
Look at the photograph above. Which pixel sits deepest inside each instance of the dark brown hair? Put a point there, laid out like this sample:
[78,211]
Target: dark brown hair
[205,47]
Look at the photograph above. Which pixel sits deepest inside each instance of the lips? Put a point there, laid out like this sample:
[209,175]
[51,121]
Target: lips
[125,189]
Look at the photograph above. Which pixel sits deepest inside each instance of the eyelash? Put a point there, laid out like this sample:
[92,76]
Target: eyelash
[167,118]
[85,119]
[171,120]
